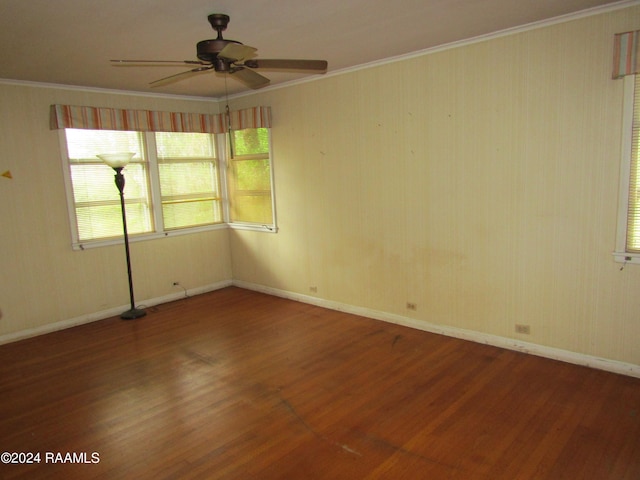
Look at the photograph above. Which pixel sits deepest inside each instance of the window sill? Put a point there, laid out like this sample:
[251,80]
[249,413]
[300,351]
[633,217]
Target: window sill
[627,258]
[147,236]
[254,227]
[173,233]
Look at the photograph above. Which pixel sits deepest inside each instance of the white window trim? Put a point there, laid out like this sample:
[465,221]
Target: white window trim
[620,254]
[269,228]
[154,182]
[221,145]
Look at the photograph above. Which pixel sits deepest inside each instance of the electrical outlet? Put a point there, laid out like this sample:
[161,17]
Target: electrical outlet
[313,289]
[412,306]
[176,284]
[524,329]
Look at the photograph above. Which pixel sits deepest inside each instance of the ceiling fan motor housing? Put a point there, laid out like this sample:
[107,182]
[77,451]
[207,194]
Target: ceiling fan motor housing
[208,52]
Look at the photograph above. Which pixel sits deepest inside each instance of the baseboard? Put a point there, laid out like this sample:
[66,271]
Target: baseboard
[111,312]
[567,356]
[613,366]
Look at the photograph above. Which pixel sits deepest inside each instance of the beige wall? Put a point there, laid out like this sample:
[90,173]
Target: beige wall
[480,183]
[42,280]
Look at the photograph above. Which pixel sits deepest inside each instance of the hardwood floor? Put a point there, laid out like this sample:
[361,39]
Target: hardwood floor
[239,385]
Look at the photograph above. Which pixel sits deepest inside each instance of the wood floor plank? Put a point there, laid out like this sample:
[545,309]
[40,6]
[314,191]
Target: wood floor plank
[236,384]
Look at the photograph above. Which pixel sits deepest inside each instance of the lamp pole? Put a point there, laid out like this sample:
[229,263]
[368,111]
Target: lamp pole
[118,161]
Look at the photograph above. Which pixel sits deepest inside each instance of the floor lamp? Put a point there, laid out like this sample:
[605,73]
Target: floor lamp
[118,161]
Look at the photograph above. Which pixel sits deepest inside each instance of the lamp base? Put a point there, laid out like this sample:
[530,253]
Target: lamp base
[133,314]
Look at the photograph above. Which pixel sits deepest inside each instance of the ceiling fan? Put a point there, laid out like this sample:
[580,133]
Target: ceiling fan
[228,56]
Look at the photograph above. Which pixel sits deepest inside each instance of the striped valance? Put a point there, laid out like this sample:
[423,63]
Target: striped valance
[258,117]
[625,54]
[98,118]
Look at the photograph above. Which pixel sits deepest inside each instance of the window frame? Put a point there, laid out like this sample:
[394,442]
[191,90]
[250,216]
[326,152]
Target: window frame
[221,142]
[164,199]
[229,159]
[621,254]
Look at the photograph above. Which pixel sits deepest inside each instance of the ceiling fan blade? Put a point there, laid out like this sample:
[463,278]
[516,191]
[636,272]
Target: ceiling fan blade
[249,77]
[179,76]
[154,63]
[237,52]
[282,64]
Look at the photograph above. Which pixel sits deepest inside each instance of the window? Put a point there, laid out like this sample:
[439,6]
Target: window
[250,177]
[174,183]
[189,180]
[96,204]
[628,238]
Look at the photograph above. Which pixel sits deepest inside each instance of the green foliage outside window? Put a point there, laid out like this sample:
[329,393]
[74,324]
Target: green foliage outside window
[250,141]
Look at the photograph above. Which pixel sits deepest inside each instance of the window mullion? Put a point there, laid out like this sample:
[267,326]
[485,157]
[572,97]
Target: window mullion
[223,158]
[154,178]
[273,184]
[73,224]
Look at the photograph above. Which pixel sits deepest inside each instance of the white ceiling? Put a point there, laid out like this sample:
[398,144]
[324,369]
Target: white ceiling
[70,42]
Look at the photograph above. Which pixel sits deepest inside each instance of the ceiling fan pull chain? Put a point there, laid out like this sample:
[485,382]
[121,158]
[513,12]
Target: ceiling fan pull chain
[228,113]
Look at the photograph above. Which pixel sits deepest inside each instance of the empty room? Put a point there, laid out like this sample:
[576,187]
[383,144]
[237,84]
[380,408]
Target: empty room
[320,240]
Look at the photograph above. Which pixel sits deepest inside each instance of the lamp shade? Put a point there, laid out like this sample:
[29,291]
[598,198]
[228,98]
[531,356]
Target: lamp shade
[116,160]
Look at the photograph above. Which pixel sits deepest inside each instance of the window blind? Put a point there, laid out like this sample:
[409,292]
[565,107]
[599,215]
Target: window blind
[96,198]
[633,212]
[189,183]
